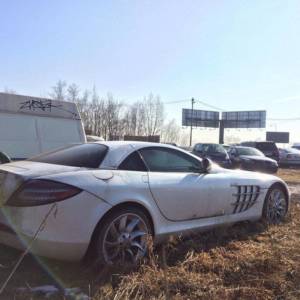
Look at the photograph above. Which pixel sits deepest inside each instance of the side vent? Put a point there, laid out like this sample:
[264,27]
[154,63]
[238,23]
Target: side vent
[245,197]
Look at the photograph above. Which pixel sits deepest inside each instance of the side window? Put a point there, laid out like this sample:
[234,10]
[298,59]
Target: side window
[169,160]
[133,162]
[198,148]
[232,151]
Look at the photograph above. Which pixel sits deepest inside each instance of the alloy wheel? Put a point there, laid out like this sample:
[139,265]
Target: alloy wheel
[125,239]
[276,206]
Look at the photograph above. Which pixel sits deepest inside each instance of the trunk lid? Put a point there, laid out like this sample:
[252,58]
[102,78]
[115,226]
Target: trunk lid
[12,175]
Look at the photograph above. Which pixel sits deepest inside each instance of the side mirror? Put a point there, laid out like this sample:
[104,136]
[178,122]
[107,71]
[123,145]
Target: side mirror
[4,159]
[206,163]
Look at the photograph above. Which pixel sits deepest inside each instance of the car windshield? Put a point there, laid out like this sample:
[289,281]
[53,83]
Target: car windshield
[266,146]
[89,155]
[249,151]
[213,148]
[293,151]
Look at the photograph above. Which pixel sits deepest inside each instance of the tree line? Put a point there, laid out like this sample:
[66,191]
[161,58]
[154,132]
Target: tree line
[112,119]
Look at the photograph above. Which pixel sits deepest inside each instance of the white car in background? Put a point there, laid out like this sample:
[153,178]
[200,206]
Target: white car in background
[109,197]
[289,157]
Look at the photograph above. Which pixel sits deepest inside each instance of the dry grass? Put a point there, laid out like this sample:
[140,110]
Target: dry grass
[290,175]
[246,261]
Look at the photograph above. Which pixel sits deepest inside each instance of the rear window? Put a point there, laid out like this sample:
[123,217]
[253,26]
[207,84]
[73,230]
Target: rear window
[213,148]
[83,155]
[266,146]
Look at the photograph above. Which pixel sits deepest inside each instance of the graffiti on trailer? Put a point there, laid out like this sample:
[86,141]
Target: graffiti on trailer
[43,105]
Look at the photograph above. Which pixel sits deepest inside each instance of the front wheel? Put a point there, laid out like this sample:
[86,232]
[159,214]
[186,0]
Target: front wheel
[123,237]
[275,206]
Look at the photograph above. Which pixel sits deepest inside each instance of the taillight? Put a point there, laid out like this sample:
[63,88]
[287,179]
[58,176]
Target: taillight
[41,192]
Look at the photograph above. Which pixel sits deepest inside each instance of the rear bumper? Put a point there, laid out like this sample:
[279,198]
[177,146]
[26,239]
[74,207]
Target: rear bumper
[51,249]
[67,231]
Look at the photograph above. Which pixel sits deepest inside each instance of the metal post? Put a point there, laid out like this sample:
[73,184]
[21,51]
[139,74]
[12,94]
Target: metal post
[191,132]
[221,132]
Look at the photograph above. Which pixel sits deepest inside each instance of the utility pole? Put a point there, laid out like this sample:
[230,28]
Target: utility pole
[192,119]
[221,132]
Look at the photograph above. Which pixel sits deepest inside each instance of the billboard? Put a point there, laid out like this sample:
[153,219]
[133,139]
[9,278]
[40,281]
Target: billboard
[278,137]
[200,118]
[244,119]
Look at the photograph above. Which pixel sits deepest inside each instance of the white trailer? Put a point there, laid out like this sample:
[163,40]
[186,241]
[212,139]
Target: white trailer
[31,125]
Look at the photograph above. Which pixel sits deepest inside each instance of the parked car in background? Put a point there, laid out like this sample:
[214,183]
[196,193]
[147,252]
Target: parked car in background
[289,157]
[215,152]
[251,159]
[269,149]
[123,193]
[296,146]
[226,147]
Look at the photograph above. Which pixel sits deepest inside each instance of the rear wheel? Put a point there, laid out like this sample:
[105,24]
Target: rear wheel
[275,206]
[123,237]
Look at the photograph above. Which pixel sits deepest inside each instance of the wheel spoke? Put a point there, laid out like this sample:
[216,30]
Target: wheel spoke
[136,234]
[122,224]
[136,244]
[112,244]
[131,254]
[132,224]
[113,231]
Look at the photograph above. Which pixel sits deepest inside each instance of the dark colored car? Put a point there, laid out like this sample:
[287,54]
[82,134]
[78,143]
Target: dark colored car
[215,152]
[269,149]
[296,146]
[251,159]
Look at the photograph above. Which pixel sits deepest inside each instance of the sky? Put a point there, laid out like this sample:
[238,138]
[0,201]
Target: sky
[236,55]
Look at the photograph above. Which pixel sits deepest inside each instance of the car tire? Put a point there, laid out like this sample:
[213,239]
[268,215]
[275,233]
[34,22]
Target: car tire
[275,205]
[122,237]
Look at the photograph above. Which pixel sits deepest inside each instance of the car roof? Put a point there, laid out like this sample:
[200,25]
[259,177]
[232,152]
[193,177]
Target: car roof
[244,147]
[208,144]
[119,150]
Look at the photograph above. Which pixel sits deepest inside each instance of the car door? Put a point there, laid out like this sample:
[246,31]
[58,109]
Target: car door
[181,190]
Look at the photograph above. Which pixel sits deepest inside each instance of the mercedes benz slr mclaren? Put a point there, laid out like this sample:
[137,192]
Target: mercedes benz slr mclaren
[109,197]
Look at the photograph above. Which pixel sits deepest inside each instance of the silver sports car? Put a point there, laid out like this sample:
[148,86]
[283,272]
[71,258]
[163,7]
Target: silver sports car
[109,197]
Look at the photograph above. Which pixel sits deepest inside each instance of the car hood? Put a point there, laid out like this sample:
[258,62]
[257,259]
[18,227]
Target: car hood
[258,158]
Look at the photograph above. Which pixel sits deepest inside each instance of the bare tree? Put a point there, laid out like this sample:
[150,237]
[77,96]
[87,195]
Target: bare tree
[59,90]
[153,114]
[110,118]
[73,93]
[170,132]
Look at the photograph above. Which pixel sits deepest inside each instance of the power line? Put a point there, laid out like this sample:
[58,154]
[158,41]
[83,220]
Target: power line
[176,101]
[209,105]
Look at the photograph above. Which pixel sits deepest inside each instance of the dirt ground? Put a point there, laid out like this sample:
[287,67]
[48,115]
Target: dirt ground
[246,261]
